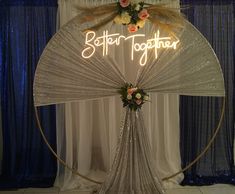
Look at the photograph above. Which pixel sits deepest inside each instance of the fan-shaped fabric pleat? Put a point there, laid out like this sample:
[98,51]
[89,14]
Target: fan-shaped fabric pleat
[192,69]
[63,75]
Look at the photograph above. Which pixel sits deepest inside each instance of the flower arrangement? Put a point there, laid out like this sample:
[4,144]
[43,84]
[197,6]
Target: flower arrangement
[134,14]
[131,13]
[133,97]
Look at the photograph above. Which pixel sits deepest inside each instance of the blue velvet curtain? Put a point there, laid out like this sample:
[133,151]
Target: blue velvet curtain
[25,28]
[200,115]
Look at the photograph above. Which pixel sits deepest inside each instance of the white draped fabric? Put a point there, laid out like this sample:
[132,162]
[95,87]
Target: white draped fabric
[87,132]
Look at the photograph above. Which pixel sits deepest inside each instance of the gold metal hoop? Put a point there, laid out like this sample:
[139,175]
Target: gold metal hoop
[216,131]
[74,171]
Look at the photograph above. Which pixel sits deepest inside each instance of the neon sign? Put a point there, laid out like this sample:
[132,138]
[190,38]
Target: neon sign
[107,40]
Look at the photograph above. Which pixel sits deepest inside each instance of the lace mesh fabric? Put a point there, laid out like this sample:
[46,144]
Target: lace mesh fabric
[63,75]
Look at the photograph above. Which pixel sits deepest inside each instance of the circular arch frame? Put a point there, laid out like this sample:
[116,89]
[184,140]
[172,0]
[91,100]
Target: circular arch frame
[74,171]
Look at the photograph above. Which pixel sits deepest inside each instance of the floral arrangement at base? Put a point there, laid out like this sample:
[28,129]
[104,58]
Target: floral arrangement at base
[131,13]
[133,97]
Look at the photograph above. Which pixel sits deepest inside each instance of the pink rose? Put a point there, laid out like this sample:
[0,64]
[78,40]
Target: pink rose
[143,14]
[132,28]
[124,3]
[138,101]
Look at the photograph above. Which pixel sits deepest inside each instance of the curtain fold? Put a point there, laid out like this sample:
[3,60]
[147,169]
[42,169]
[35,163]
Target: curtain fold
[1,148]
[200,115]
[87,132]
[1,55]
[26,26]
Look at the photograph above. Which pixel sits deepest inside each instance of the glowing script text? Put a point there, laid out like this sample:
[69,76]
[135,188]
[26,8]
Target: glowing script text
[105,41]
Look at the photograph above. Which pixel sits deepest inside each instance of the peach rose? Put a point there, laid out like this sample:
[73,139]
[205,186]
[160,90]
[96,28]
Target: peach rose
[131,90]
[124,3]
[138,101]
[143,14]
[132,28]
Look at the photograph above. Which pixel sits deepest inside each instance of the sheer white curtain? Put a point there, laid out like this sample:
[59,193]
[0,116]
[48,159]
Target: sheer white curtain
[87,132]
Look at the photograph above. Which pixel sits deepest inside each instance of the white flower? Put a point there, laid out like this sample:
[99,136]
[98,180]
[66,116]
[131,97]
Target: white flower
[138,95]
[140,23]
[146,98]
[137,7]
[129,97]
[126,18]
[118,19]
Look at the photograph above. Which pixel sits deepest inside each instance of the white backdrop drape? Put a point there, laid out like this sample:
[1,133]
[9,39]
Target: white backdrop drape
[87,132]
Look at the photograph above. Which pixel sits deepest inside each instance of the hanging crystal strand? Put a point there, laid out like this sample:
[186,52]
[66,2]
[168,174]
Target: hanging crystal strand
[132,171]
